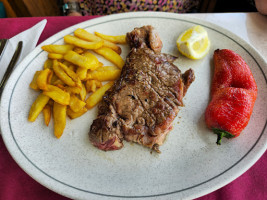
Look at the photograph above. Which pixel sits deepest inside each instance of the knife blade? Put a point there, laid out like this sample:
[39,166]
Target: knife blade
[11,66]
[3,43]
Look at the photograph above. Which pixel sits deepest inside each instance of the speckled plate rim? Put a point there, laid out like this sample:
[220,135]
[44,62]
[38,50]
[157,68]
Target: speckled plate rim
[65,189]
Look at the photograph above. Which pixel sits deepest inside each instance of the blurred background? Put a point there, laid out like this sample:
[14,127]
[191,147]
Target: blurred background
[34,8]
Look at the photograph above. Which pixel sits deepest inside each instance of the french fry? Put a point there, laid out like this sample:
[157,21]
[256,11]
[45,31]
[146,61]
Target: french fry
[73,115]
[68,64]
[72,67]
[69,72]
[83,43]
[48,64]
[73,90]
[59,115]
[83,92]
[76,104]
[81,61]
[58,49]
[56,81]
[62,87]
[83,34]
[81,72]
[91,85]
[37,107]
[108,73]
[79,83]
[78,50]
[112,46]
[47,114]
[50,102]
[111,55]
[118,39]
[98,84]
[33,84]
[50,76]
[55,56]
[100,64]
[57,94]
[96,97]
[62,75]
[93,58]
[107,68]
[43,78]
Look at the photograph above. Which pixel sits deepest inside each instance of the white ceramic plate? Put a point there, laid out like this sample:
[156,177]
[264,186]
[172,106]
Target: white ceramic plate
[190,165]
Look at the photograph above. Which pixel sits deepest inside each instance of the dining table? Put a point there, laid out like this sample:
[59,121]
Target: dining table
[252,27]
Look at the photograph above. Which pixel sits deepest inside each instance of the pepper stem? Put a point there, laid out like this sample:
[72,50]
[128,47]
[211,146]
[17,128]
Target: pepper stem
[221,133]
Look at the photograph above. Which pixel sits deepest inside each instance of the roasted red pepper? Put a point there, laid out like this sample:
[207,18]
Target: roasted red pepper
[233,94]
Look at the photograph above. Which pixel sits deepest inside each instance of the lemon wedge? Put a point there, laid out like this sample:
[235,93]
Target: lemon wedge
[194,42]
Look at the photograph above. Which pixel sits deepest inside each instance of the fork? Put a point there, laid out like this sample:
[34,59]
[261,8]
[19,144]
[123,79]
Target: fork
[11,64]
[3,43]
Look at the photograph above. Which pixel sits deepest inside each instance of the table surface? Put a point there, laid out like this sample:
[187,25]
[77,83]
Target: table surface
[252,27]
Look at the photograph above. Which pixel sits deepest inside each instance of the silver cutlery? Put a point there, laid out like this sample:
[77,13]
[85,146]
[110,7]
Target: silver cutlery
[3,43]
[11,64]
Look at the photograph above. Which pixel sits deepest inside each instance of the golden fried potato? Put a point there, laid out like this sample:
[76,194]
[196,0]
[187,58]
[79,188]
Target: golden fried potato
[82,61]
[100,64]
[55,56]
[118,39]
[62,87]
[79,83]
[48,64]
[96,97]
[59,115]
[83,34]
[68,64]
[58,49]
[43,78]
[78,50]
[91,85]
[112,46]
[69,72]
[76,104]
[73,90]
[62,75]
[83,92]
[57,94]
[107,68]
[49,77]
[111,55]
[82,73]
[83,43]
[37,107]
[72,67]
[73,115]
[47,114]
[108,73]
[56,81]
[33,84]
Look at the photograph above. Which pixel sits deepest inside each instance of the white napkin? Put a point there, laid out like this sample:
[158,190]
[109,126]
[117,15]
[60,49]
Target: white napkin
[29,37]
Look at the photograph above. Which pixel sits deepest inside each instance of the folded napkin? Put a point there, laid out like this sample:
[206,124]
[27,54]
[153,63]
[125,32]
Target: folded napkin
[29,37]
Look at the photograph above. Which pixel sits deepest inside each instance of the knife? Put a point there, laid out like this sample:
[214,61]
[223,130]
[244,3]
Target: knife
[3,43]
[11,66]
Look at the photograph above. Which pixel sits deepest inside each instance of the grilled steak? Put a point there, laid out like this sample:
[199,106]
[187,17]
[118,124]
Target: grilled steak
[142,104]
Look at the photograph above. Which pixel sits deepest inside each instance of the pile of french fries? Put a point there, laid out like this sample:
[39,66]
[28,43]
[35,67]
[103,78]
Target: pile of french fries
[71,80]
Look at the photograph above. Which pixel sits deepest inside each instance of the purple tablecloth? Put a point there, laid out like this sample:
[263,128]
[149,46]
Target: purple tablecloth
[16,184]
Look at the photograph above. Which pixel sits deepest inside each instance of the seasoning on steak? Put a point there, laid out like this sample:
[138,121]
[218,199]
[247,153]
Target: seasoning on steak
[144,101]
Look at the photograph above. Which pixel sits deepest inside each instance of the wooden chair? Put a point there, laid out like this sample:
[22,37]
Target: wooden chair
[32,8]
